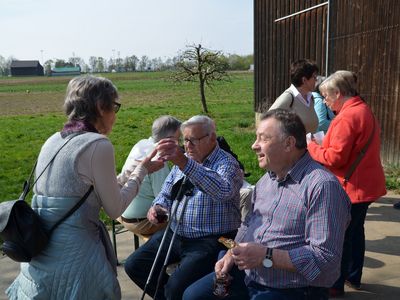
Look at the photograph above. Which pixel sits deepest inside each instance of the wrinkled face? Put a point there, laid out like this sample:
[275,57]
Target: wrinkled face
[332,99]
[106,120]
[198,144]
[270,145]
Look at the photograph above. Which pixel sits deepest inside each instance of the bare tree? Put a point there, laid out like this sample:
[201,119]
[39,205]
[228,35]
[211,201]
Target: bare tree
[47,66]
[206,66]
[144,63]
[93,63]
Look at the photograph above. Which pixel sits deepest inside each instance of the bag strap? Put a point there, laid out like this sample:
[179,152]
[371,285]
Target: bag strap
[292,100]
[359,157]
[27,183]
[327,112]
[72,210]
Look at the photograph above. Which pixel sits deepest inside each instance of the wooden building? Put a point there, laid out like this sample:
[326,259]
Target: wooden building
[359,35]
[26,68]
[66,71]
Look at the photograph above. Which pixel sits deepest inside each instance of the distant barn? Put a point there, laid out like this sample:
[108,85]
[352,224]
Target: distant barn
[66,71]
[26,68]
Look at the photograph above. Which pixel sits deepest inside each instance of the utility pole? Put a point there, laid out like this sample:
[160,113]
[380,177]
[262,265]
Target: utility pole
[41,51]
[118,67]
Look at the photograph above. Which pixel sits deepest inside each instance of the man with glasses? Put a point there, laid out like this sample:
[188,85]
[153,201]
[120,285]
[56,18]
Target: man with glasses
[212,210]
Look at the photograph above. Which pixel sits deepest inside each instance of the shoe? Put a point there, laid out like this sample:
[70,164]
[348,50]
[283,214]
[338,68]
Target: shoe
[396,205]
[335,293]
[353,285]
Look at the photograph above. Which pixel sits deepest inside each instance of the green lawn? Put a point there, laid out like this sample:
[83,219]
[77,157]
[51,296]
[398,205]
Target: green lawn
[32,111]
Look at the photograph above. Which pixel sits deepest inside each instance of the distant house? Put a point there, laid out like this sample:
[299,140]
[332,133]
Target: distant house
[26,68]
[66,71]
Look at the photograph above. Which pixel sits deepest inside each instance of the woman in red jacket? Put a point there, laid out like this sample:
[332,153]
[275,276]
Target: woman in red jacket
[354,129]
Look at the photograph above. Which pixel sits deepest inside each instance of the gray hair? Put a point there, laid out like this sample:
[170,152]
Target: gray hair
[164,126]
[207,124]
[343,81]
[83,94]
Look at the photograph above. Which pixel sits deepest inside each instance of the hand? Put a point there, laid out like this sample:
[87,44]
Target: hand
[153,212]
[248,255]
[152,165]
[224,265]
[169,149]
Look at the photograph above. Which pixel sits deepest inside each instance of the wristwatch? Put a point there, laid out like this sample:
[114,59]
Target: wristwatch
[267,262]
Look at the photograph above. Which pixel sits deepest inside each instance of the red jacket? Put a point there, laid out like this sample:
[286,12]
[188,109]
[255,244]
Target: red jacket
[347,135]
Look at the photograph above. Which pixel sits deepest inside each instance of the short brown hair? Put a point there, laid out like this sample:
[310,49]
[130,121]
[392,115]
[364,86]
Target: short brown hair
[302,68]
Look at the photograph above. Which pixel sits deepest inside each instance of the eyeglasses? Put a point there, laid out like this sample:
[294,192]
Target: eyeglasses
[193,141]
[117,106]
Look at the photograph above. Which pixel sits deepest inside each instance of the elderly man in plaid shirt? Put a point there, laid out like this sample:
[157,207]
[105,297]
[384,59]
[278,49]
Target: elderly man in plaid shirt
[212,210]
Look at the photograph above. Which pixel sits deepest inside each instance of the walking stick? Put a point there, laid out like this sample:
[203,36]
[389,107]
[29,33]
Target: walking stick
[186,188]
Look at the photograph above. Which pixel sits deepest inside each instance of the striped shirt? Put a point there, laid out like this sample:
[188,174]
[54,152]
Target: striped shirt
[213,207]
[307,214]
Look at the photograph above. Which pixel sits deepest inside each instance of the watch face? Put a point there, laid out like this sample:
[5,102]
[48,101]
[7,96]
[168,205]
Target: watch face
[267,263]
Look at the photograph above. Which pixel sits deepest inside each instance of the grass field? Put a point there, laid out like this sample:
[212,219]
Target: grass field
[32,111]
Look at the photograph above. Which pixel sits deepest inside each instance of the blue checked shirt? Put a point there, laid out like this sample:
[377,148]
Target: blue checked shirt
[307,214]
[213,207]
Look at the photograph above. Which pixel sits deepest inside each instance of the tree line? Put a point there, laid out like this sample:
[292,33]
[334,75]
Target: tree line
[98,64]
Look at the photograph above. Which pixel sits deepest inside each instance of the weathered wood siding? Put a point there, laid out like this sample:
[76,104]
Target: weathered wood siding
[364,37]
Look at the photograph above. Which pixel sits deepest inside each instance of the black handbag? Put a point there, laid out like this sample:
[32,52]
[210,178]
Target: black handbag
[21,228]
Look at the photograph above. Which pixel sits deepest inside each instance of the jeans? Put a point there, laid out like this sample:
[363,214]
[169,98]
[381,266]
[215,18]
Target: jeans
[203,289]
[353,247]
[197,258]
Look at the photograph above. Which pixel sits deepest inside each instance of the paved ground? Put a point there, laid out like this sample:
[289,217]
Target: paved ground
[381,278]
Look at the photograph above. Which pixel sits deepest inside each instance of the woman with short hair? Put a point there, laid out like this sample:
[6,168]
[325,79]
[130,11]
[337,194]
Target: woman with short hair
[79,261]
[354,129]
[298,97]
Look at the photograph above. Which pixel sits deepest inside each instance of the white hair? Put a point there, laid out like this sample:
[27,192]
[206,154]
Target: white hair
[207,123]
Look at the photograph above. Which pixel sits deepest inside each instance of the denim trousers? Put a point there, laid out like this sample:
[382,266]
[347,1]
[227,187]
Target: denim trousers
[197,258]
[353,247]
[238,290]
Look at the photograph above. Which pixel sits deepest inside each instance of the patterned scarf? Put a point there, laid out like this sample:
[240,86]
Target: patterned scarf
[77,126]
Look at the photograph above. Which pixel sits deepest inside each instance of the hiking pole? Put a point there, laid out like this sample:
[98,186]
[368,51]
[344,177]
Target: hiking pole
[189,190]
[173,213]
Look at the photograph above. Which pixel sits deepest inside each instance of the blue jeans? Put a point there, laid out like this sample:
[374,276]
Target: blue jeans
[353,247]
[197,258]
[203,289]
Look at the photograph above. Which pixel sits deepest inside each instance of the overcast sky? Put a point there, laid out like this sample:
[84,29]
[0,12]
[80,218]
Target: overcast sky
[49,29]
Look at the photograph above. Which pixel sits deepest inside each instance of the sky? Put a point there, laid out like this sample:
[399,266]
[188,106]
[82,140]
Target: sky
[60,29]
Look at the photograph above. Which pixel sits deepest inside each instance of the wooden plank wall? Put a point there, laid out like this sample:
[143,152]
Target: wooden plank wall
[364,37]
[277,44]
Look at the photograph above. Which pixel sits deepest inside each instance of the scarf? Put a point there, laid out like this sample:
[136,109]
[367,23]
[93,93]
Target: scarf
[77,126]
